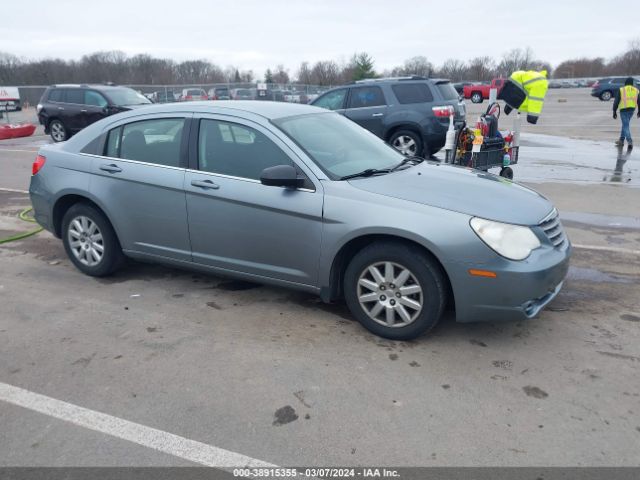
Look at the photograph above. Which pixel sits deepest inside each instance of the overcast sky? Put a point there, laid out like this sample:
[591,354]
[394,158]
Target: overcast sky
[260,34]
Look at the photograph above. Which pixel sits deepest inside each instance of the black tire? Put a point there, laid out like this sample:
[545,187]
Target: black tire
[112,257]
[399,138]
[476,97]
[506,172]
[58,131]
[426,272]
[605,96]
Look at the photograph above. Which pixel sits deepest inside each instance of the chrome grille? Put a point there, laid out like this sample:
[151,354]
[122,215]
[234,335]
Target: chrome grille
[553,229]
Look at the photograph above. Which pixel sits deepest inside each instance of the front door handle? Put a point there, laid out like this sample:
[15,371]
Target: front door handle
[110,168]
[205,184]
[377,114]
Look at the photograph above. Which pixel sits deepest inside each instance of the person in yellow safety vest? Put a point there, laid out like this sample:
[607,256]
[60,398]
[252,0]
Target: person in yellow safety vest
[627,101]
[535,85]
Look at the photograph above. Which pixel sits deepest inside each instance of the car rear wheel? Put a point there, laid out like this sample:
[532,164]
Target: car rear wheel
[58,131]
[476,97]
[90,241]
[395,290]
[605,96]
[407,142]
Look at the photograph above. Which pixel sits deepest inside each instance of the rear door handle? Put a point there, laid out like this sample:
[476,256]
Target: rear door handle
[377,114]
[205,184]
[60,108]
[83,111]
[110,168]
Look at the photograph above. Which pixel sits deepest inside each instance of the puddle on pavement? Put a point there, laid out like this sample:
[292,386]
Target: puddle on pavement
[546,158]
[595,276]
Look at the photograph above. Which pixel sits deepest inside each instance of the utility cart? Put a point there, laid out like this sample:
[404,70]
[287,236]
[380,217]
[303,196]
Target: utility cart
[483,146]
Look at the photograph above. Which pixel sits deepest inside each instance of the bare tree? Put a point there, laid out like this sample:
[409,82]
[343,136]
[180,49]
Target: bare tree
[481,69]
[414,66]
[280,75]
[453,69]
[325,72]
[304,74]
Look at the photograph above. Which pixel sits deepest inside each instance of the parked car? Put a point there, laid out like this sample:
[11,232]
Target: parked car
[242,94]
[296,196]
[164,96]
[606,88]
[10,99]
[219,93]
[411,113]
[193,95]
[66,109]
[459,86]
[288,95]
[479,92]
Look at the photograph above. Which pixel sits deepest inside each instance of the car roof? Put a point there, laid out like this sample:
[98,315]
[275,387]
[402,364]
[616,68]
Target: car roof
[88,85]
[267,109]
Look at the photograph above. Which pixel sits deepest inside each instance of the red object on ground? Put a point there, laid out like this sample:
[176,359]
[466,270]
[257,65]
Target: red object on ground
[16,130]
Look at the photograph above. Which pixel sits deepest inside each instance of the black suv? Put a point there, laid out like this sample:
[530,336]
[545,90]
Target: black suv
[67,109]
[606,88]
[410,113]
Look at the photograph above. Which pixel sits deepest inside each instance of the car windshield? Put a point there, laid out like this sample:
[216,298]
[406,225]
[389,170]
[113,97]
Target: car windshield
[337,145]
[126,96]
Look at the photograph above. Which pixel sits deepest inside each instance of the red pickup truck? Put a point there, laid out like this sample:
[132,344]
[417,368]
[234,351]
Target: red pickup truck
[478,93]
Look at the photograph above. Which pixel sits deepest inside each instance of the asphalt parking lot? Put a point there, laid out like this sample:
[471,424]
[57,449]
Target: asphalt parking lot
[157,366]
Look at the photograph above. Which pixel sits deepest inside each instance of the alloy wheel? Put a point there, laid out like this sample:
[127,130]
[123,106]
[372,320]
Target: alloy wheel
[85,240]
[57,131]
[405,145]
[390,294]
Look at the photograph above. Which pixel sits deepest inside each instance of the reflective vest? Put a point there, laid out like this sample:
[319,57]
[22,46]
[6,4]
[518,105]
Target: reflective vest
[628,97]
[535,85]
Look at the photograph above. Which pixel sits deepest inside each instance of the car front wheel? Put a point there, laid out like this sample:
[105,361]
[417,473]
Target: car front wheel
[90,241]
[395,290]
[58,131]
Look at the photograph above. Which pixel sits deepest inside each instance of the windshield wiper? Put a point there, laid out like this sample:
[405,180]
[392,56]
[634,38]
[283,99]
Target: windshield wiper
[366,173]
[407,160]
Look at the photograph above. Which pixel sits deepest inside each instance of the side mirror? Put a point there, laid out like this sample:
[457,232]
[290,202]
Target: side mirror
[281,176]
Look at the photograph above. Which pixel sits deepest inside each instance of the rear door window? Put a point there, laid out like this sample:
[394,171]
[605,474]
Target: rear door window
[55,95]
[366,97]
[154,141]
[448,92]
[412,93]
[74,95]
[332,100]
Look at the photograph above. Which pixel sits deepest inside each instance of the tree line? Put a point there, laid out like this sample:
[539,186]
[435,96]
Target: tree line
[143,69]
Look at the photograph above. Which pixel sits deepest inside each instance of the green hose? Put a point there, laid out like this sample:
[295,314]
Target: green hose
[19,236]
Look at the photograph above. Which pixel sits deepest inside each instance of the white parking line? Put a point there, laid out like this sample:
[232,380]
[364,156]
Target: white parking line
[607,249]
[16,150]
[149,437]
[13,190]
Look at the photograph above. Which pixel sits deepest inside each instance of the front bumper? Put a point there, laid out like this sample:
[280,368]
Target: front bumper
[519,291]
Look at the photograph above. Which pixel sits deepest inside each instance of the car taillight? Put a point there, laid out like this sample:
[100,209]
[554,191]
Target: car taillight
[443,111]
[38,164]
[188,97]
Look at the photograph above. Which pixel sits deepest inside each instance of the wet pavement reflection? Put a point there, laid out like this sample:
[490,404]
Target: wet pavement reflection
[546,158]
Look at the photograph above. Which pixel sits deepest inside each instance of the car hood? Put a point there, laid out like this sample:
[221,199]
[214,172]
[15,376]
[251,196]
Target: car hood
[463,190]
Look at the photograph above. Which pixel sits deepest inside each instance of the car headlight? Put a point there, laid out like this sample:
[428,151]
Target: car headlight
[514,242]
